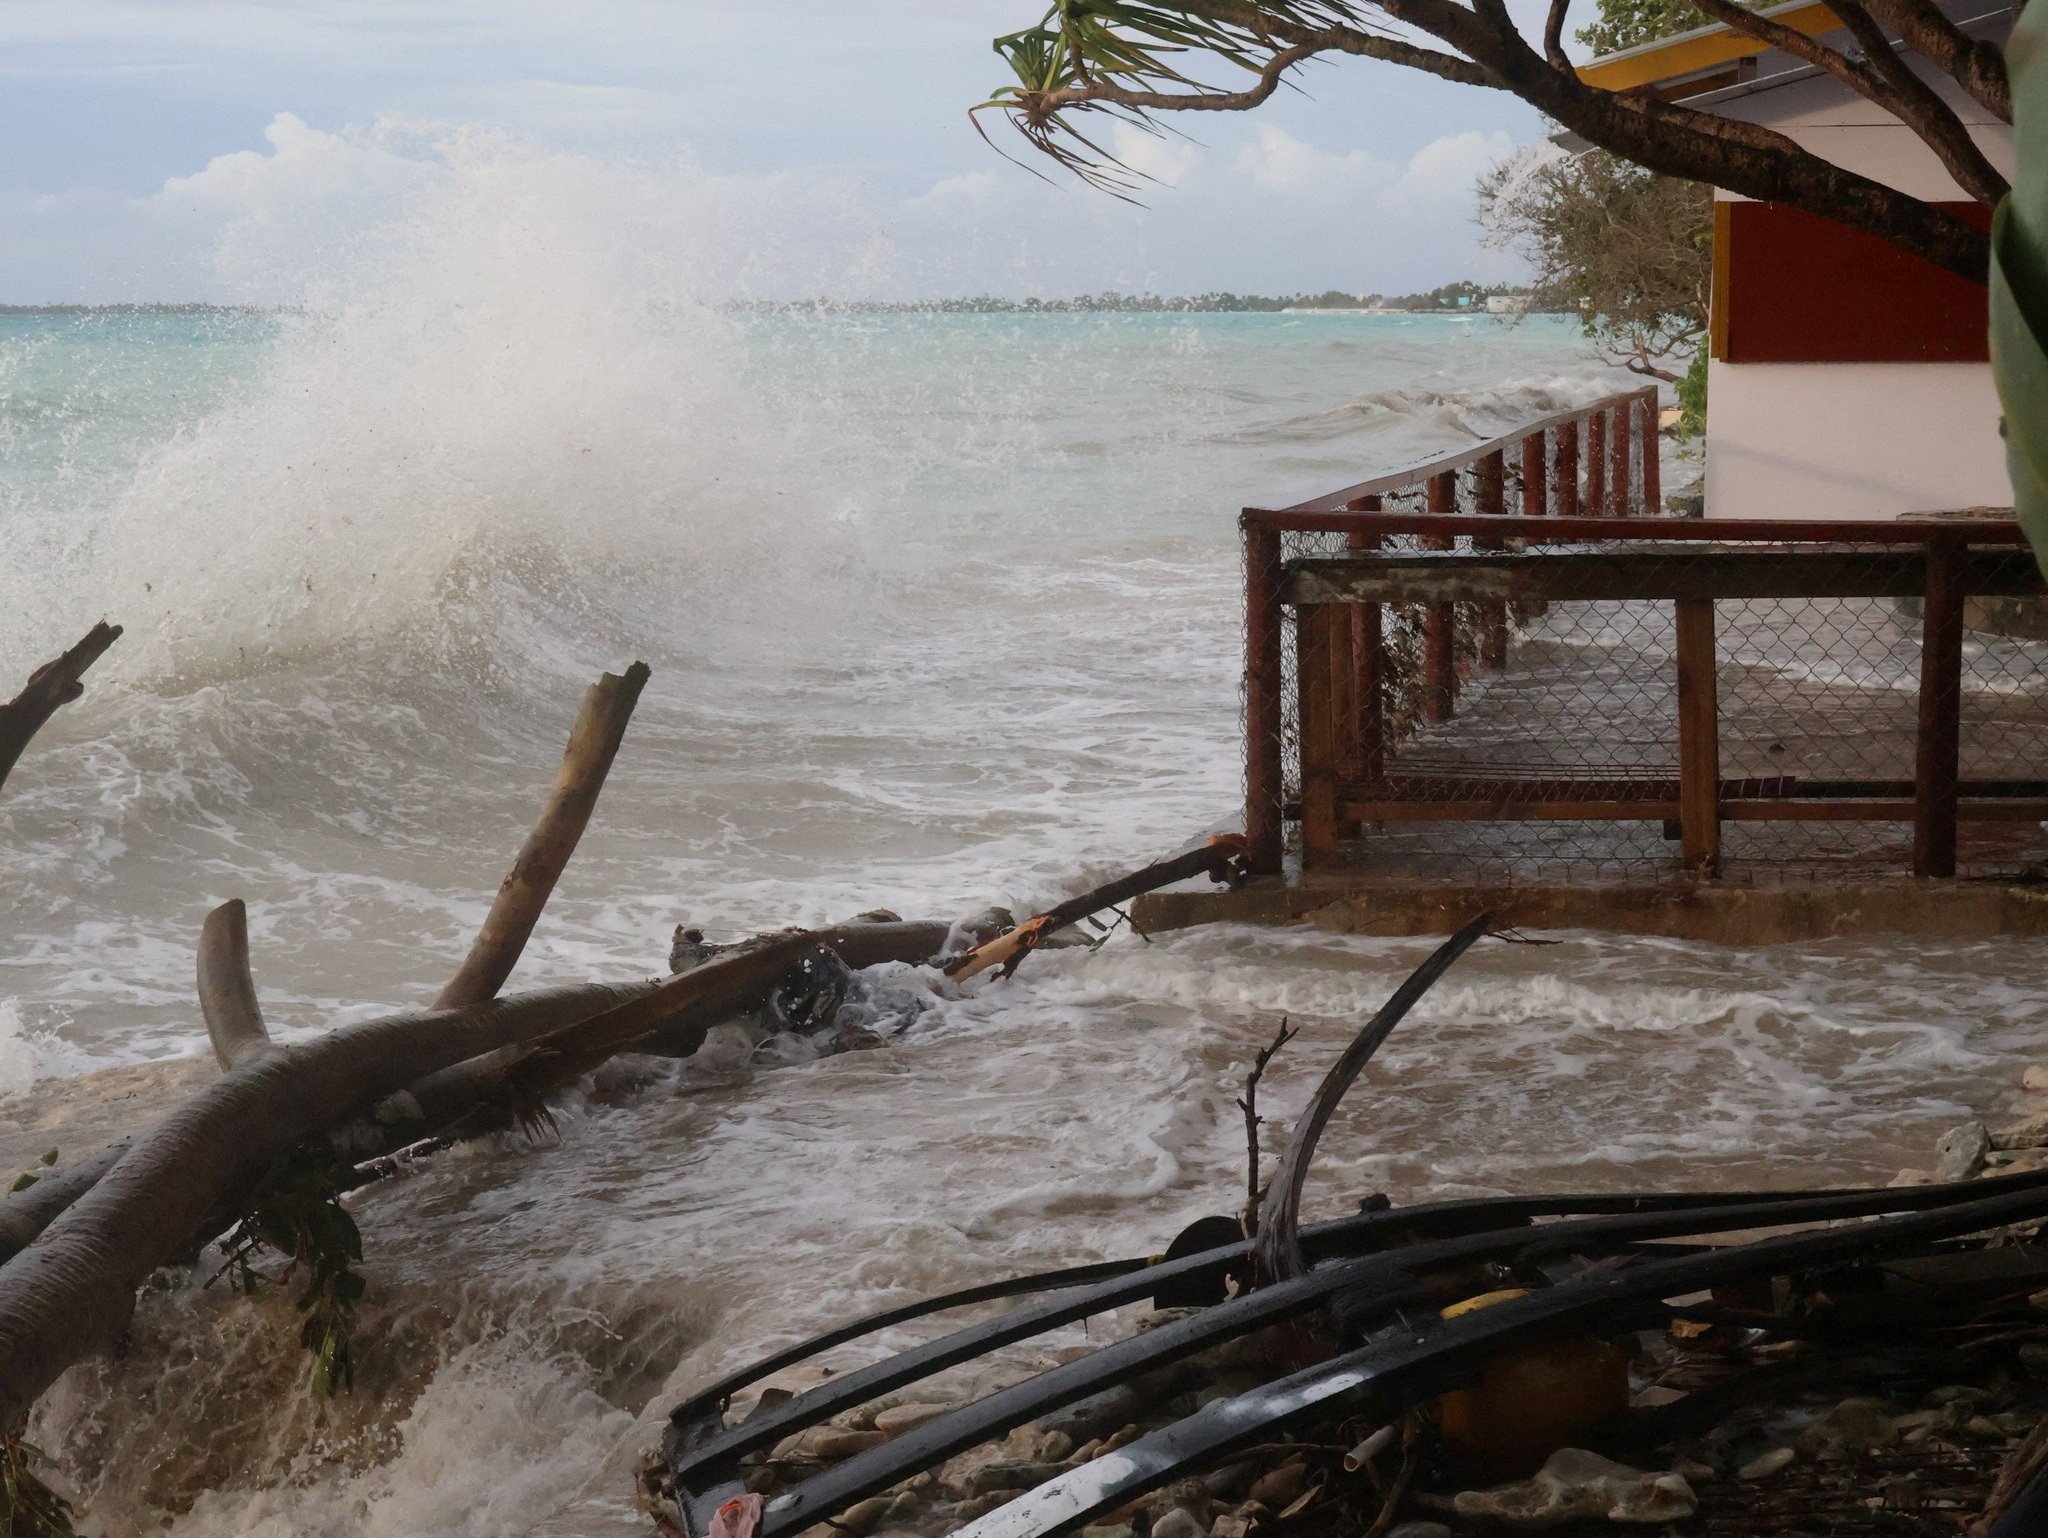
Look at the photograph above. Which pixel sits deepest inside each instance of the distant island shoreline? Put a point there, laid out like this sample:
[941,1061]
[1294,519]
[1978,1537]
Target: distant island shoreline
[1460,298]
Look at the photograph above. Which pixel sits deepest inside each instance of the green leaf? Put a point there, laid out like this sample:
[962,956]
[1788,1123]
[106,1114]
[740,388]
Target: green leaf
[2019,283]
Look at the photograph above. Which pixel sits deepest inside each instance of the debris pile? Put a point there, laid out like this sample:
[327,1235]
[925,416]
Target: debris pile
[1877,1362]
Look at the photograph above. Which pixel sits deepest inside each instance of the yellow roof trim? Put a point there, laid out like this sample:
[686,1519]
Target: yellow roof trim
[1691,52]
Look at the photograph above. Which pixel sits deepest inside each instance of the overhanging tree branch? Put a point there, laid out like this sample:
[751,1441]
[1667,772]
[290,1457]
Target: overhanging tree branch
[1133,59]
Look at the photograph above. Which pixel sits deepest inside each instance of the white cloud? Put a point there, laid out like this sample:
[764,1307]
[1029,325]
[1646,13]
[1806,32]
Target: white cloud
[1161,158]
[1279,162]
[1447,169]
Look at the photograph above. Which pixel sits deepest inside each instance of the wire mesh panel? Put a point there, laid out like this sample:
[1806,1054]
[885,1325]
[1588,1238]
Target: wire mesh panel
[1669,704]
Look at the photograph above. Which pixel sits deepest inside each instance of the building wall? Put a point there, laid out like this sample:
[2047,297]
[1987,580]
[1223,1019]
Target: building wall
[1854,440]
[1851,440]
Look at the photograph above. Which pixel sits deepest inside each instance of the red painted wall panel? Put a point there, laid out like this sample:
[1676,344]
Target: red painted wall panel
[1798,288]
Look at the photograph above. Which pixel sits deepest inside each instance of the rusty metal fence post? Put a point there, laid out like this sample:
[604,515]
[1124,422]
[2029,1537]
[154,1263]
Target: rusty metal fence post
[1620,480]
[1937,763]
[1439,621]
[1535,477]
[1564,490]
[1490,495]
[1699,736]
[1264,791]
[1653,465]
[1596,465]
[1368,653]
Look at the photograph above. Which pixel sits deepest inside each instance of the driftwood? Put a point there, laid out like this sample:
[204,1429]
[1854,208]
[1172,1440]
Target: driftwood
[227,993]
[26,1213]
[67,1293]
[1221,859]
[56,683]
[593,743]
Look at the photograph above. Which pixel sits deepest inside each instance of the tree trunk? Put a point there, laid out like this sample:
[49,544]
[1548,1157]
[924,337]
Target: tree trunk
[73,1288]
[54,684]
[593,743]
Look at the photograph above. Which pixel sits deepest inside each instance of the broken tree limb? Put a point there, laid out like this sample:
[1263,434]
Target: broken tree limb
[26,1213]
[1276,1250]
[227,992]
[593,743]
[67,1292]
[1221,859]
[56,683]
[674,1017]
[1254,1188]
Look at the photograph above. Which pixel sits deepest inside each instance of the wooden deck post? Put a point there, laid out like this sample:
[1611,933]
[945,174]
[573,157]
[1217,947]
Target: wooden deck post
[1263,766]
[1490,495]
[1620,481]
[1653,467]
[1368,661]
[1535,477]
[1937,765]
[1439,621]
[1564,488]
[1699,737]
[1315,680]
[1596,465]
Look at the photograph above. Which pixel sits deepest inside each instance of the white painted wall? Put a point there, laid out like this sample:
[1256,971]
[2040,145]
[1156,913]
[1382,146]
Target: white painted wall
[1854,440]
[1851,440]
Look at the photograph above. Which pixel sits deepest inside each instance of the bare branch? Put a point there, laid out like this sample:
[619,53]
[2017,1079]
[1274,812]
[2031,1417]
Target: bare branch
[1977,66]
[1553,34]
[1920,107]
[227,993]
[1277,1252]
[593,743]
[53,685]
[1248,1103]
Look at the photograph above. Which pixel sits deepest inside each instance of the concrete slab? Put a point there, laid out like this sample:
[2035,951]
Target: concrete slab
[1724,914]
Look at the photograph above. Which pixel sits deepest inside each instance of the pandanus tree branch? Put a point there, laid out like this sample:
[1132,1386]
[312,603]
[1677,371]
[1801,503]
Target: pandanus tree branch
[53,685]
[1132,58]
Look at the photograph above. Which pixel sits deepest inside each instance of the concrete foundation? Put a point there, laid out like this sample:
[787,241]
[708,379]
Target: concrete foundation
[1724,914]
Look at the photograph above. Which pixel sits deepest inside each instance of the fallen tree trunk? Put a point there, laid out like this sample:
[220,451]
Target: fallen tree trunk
[593,743]
[227,992]
[70,1290]
[675,1017]
[27,1212]
[115,1218]
[56,683]
[1221,859]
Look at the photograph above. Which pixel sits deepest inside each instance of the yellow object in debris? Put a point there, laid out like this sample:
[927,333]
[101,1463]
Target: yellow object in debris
[1532,1401]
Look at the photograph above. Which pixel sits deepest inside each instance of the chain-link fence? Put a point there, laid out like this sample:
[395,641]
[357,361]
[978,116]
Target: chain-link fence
[1547,695]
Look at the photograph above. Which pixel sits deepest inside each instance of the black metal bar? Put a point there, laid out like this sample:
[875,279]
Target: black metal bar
[1387,1376]
[1384,1277]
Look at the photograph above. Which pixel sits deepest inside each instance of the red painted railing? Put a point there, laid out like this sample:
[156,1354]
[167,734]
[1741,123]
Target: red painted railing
[1329,580]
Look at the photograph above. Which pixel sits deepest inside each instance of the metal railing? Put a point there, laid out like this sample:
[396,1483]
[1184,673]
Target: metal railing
[1441,686]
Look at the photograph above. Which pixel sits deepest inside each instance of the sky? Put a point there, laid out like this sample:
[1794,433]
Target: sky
[178,150]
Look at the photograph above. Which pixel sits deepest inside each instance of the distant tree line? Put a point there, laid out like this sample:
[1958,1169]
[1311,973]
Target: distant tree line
[1461,295]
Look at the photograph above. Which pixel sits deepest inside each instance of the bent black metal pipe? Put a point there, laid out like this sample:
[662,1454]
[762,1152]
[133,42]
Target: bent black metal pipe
[1388,1376]
[697,1440]
[1387,1278]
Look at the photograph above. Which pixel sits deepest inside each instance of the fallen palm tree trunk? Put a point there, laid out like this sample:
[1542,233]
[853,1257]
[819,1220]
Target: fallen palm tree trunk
[593,743]
[26,1213]
[53,685]
[1221,859]
[65,1294]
